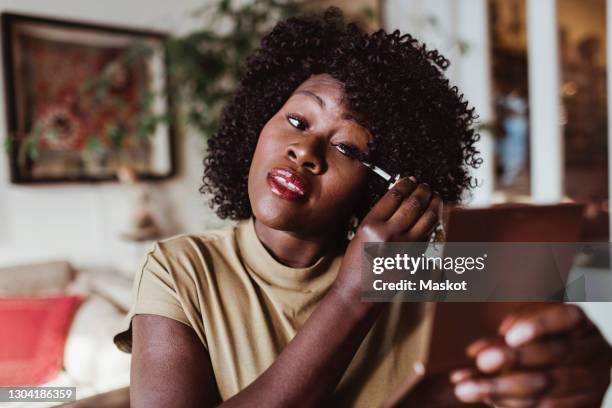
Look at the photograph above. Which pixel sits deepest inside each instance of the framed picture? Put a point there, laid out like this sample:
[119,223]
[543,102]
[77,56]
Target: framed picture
[84,101]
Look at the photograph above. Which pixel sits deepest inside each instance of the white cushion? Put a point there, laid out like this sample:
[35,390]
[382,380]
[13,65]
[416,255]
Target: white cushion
[90,356]
[114,288]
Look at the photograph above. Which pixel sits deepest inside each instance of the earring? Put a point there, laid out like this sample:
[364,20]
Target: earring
[353,223]
[437,234]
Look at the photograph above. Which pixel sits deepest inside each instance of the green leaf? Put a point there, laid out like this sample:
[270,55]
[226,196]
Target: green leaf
[369,13]
[9,144]
[224,6]
[120,103]
[115,134]
[146,127]
[146,100]
[94,144]
[33,150]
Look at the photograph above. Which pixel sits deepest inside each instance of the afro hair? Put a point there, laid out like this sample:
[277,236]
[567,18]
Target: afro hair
[393,84]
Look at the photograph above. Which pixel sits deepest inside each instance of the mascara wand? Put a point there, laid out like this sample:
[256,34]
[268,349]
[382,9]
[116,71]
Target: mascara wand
[353,153]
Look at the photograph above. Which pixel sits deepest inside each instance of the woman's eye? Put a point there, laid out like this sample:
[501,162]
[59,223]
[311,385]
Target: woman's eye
[297,123]
[352,152]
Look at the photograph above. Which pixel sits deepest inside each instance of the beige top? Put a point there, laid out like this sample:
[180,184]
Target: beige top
[245,307]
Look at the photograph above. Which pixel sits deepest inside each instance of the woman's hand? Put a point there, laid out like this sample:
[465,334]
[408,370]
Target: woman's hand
[548,355]
[408,212]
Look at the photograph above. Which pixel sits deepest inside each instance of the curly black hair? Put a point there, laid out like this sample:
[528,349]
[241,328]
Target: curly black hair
[393,84]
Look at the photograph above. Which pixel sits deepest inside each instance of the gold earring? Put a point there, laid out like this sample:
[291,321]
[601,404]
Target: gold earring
[353,223]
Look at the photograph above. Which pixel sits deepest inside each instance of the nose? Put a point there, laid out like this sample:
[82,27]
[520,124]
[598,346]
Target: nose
[307,155]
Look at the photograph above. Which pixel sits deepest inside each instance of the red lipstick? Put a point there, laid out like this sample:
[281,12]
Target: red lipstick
[287,184]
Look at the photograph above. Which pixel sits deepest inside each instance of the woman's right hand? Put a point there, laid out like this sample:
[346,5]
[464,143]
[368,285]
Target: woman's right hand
[408,212]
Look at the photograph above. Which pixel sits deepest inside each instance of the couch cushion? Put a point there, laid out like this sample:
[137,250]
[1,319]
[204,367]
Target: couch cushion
[116,289]
[48,278]
[33,337]
[90,355]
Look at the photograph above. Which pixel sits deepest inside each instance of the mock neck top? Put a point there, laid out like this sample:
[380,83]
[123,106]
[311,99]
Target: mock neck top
[261,263]
[245,307]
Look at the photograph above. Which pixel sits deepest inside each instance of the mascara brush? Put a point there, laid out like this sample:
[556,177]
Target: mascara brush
[355,154]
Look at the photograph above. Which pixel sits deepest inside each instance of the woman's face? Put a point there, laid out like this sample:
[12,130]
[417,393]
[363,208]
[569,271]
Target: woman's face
[298,181]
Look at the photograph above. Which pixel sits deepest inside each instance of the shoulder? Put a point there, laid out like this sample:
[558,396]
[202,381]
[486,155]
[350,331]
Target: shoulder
[191,255]
[192,243]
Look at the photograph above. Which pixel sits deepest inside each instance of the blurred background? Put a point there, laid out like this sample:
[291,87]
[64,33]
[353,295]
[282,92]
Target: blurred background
[108,106]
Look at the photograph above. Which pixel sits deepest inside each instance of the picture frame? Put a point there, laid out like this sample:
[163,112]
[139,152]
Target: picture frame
[85,100]
[370,14]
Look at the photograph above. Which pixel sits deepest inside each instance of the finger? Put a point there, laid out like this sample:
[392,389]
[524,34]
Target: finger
[567,381]
[481,344]
[390,202]
[411,209]
[462,374]
[470,391]
[496,359]
[512,402]
[586,400]
[522,311]
[552,320]
[561,382]
[515,385]
[507,323]
[551,384]
[523,385]
[493,355]
[428,221]
[565,351]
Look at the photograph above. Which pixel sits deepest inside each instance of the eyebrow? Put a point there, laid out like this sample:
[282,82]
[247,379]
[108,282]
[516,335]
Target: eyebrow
[321,102]
[316,97]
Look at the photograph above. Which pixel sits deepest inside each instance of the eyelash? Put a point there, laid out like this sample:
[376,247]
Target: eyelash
[302,125]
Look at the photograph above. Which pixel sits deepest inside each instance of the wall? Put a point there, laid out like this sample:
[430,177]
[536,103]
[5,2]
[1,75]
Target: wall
[82,222]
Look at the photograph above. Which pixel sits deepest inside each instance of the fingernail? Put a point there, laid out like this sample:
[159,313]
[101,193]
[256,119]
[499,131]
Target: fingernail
[459,375]
[490,360]
[467,392]
[520,334]
[412,178]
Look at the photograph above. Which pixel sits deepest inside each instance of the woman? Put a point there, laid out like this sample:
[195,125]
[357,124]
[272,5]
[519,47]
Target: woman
[267,313]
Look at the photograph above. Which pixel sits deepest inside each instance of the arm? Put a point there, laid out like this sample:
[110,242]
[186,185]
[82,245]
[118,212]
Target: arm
[309,368]
[170,367]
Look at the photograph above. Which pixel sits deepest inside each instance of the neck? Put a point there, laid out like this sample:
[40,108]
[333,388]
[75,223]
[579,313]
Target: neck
[292,249]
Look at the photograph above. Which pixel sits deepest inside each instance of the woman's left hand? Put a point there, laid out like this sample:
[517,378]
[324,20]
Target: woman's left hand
[547,355]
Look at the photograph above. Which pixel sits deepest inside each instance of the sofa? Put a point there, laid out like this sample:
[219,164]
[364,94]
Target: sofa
[91,362]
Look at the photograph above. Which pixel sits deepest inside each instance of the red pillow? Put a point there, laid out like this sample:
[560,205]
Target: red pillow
[33,332]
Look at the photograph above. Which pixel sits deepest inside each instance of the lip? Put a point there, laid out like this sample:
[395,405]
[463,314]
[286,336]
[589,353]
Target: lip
[288,184]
